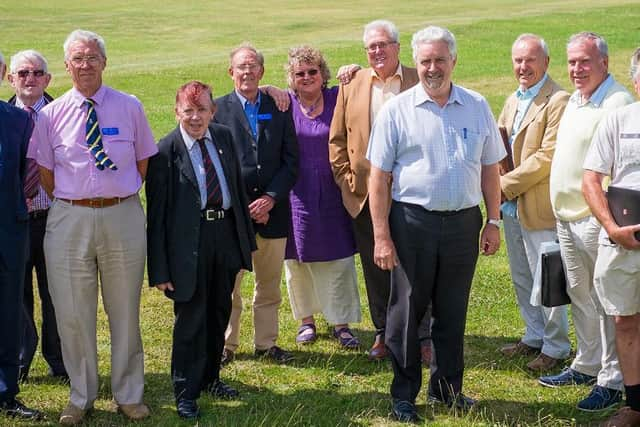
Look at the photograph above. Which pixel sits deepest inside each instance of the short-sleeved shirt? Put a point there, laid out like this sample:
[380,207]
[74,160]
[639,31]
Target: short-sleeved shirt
[61,147]
[434,153]
[615,149]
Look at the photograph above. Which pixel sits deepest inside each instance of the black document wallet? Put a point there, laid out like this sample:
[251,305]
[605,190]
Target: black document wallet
[554,281]
[624,205]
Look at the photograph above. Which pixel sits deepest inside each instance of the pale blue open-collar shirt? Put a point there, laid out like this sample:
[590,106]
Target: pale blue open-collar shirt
[198,167]
[525,99]
[434,153]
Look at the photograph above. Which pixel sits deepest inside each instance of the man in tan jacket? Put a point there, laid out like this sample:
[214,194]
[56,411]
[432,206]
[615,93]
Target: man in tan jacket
[356,108]
[529,120]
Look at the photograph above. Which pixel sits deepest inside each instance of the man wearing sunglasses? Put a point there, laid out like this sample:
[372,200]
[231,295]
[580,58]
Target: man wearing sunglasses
[29,77]
[15,130]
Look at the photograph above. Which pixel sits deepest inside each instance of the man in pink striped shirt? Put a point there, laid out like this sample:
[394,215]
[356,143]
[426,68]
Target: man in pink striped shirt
[93,148]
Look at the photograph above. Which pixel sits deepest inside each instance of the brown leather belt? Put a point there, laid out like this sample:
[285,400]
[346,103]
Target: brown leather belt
[97,202]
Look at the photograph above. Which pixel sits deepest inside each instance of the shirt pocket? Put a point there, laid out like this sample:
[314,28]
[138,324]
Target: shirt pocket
[118,144]
[470,141]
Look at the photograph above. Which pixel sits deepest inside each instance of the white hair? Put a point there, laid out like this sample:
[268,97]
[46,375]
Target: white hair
[531,36]
[388,26]
[83,36]
[30,56]
[600,42]
[432,34]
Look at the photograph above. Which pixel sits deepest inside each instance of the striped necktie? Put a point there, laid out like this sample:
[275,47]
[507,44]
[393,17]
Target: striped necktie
[214,193]
[94,138]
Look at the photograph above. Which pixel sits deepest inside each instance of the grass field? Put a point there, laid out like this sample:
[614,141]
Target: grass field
[154,47]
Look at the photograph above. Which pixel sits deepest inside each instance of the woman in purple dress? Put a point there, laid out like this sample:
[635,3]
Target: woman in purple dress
[320,265]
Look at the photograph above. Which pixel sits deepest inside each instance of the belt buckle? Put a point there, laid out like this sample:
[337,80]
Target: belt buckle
[96,203]
[213,215]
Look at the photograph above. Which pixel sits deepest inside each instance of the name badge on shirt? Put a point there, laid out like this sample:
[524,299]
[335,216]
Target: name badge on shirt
[264,117]
[110,131]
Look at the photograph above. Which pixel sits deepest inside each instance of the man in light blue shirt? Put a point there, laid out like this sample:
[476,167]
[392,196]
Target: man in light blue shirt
[439,146]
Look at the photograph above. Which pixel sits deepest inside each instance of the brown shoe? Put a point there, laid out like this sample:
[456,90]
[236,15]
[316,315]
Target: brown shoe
[378,351]
[72,415]
[519,349]
[135,411]
[542,363]
[227,357]
[624,417]
[425,353]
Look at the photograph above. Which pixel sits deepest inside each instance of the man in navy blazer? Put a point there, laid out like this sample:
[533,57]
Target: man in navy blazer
[199,236]
[15,130]
[267,147]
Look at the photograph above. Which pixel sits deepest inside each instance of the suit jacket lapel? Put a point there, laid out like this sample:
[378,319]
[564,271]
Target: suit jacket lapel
[183,161]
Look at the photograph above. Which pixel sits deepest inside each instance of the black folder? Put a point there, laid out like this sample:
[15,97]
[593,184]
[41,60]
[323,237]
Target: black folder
[624,204]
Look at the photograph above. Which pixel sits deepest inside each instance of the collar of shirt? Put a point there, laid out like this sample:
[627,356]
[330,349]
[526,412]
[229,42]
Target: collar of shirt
[36,107]
[244,100]
[189,142]
[597,97]
[79,99]
[421,95]
[532,92]
[374,75]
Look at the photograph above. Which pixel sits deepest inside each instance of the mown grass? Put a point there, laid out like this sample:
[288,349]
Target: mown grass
[153,48]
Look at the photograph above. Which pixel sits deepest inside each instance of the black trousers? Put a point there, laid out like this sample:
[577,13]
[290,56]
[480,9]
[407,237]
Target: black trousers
[51,350]
[200,323]
[438,253]
[377,281]
[11,295]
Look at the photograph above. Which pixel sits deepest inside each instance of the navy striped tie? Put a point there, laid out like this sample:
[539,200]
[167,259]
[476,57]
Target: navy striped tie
[214,193]
[94,138]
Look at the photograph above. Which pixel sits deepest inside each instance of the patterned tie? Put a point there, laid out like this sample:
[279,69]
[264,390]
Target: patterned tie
[214,193]
[32,180]
[94,138]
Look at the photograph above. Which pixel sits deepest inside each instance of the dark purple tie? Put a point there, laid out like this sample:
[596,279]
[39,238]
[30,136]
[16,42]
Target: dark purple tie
[32,180]
[214,193]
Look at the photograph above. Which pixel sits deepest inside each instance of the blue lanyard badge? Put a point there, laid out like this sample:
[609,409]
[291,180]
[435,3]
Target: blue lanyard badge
[264,117]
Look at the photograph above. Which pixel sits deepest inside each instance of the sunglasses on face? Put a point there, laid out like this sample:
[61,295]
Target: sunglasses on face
[310,73]
[23,74]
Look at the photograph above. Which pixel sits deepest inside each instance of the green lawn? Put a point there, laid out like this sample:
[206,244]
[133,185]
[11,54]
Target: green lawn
[153,48]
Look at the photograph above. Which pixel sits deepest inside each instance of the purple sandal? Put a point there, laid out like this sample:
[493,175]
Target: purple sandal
[350,341]
[307,338]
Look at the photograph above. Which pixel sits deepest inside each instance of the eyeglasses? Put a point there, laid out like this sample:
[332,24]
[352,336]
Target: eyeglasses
[90,59]
[23,74]
[380,45]
[312,72]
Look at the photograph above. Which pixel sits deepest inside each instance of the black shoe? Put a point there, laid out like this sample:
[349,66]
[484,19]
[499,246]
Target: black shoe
[460,402]
[16,409]
[187,408]
[276,354]
[404,411]
[222,391]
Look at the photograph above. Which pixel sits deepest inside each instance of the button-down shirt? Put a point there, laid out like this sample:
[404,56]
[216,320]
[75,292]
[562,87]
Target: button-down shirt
[435,153]
[525,98]
[41,201]
[195,154]
[61,146]
[251,112]
[383,90]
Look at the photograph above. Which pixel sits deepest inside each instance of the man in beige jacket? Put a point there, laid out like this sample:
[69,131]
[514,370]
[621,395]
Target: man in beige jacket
[530,121]
[356,108]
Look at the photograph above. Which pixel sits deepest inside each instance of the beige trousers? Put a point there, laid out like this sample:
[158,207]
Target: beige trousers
[80,245]
[330,287]
[267,267]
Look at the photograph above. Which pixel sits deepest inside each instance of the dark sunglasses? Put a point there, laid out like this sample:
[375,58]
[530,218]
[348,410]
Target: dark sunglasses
[311,72]
[24,73]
